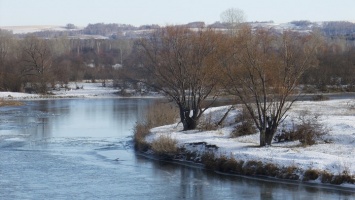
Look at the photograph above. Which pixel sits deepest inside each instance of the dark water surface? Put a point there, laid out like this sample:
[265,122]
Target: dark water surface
[82,149]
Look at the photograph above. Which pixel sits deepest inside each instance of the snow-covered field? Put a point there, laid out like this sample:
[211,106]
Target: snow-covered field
[335,156]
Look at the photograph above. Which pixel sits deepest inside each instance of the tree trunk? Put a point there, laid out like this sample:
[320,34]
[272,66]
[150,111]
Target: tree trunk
[262,138]
[224,116]
[269,134]
[188,122]
[266,136]
[191,124]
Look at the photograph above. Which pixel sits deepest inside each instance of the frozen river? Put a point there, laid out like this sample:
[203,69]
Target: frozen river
[82,149]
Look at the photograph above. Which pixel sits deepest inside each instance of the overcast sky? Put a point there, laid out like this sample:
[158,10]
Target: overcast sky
[163,12]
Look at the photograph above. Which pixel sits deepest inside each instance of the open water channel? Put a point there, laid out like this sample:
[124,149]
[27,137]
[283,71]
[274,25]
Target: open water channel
[82,149]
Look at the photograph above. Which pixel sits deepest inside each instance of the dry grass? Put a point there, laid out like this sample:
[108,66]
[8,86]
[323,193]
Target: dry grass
[157,114]
[209,160]
[252,168]
[344,177]
[311,174]
[225,164]
[245,124]
[165,146]
[160,114]
[289,172]
[270,170]
[245,128]
[308,131]
[141,130]
[10,103]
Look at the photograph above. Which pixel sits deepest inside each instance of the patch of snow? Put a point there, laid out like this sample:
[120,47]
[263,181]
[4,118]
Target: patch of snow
[74,89]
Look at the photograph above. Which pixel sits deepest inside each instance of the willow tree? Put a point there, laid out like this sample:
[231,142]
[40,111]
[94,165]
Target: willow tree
[263,71]
[181,64]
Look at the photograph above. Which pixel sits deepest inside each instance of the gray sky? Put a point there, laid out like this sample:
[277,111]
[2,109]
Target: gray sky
[163,12]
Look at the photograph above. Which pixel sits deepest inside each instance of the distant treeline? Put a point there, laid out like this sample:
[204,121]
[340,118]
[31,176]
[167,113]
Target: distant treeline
[59,57]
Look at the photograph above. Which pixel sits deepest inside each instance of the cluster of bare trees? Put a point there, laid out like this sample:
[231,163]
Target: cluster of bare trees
[336,69]
[35,64]
[262,68]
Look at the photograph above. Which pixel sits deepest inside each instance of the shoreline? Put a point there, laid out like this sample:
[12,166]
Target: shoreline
[348,187]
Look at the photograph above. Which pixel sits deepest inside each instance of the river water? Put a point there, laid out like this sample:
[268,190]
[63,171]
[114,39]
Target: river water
[82,149]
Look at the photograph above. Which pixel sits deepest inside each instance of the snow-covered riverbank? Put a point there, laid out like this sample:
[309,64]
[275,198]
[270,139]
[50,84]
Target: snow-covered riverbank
[334,153]
[74,90]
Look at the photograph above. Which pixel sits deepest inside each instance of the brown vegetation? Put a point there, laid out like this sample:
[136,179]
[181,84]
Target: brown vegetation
[154,117]
[257,168]
[165,146]
[10,103]
[308,131]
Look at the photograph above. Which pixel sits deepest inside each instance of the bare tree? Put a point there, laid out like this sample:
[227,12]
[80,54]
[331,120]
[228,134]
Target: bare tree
[37,63]
[264,71]
[181,64]
[233,17]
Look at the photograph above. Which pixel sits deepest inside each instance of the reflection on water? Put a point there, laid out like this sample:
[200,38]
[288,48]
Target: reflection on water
[78,117]
[79,148]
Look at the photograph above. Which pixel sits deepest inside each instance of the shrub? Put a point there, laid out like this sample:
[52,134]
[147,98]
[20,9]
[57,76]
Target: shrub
[209,160]
[253,167]
[308,131]
[310,174]
[231,166]
[239,167]
[289,173]
[326,177]
[245,126]
[165,146]
[220,162]
[344,177]
[270,170]
[141,130]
